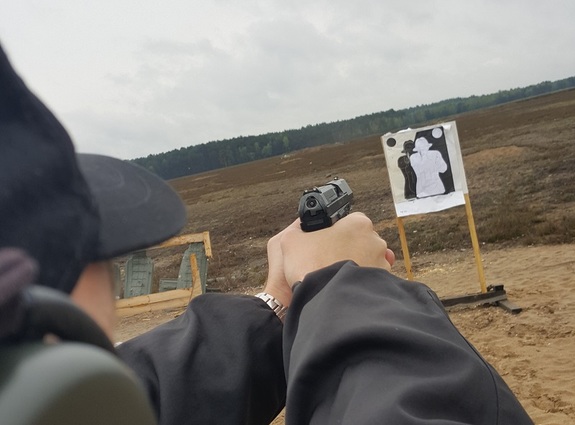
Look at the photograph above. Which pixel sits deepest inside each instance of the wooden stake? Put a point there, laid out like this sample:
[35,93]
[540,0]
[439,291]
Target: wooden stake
[196,288]
[475,243]
[404,248]
[207,244]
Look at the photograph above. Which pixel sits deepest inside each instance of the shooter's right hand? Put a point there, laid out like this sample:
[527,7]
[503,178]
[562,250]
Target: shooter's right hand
[351,238]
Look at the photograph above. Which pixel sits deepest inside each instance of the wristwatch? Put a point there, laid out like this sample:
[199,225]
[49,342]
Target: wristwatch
[278,308]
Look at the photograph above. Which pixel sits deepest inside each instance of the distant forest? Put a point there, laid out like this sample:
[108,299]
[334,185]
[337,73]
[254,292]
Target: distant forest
[224,153]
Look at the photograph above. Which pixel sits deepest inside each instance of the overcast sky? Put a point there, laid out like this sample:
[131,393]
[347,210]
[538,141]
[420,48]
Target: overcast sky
[133,77]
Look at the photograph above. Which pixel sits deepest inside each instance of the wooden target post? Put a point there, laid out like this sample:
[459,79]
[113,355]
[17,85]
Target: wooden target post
[404,248]
[475,243]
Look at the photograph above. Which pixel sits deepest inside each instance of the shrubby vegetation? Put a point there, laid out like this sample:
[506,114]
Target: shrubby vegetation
[239,150]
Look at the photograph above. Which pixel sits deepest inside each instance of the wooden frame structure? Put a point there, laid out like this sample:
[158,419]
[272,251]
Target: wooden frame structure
[174,298]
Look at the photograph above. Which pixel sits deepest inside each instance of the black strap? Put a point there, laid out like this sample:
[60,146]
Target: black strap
[51,312]
[29,312]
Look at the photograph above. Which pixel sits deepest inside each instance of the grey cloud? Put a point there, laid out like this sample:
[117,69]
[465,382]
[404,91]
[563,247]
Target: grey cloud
[306,63]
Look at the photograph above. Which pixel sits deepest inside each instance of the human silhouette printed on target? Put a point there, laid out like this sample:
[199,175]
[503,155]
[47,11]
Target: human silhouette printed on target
[430,162]
[409,187]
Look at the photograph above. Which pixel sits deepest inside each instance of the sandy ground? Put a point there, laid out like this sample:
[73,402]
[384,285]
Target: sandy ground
[534,350]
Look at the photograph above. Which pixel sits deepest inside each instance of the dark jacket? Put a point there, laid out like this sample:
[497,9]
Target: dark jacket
[360,346]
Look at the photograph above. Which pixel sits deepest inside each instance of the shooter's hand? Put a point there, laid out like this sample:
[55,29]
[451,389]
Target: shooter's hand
[351,238]
[276,284]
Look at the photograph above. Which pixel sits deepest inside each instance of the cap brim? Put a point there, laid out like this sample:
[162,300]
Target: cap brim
[137,208]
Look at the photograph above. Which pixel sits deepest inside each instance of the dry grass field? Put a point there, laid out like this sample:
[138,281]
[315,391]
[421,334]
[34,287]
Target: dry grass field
[520,164]
[519,160]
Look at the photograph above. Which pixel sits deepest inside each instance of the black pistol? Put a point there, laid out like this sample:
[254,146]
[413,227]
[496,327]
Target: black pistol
[322,206]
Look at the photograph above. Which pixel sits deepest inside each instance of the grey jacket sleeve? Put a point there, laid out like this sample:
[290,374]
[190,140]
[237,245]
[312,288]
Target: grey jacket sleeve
[362,346]
[218,363]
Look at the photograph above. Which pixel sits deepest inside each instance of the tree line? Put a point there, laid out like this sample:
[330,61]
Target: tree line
[223,153]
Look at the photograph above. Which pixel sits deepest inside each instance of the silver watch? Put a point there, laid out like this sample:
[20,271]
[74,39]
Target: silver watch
[278,308]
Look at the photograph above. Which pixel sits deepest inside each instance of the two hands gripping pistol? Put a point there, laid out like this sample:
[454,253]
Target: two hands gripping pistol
[322,206]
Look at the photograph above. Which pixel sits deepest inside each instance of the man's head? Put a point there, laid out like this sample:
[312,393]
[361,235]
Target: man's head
[421,145]
[68,211]
[408,147]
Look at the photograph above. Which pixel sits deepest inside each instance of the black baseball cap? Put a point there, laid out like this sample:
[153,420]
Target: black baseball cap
[65,209]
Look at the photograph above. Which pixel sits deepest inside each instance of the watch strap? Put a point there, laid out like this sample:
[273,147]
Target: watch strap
[278,308]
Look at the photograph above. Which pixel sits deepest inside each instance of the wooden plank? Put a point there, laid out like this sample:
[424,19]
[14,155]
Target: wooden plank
[207,244]
[150,298]
[190,238]
[152,302]
[174,303]
[181,240]
[196,288]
